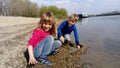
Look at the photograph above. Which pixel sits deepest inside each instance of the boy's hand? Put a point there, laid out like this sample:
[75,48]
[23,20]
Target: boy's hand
[62,39]
[78,47]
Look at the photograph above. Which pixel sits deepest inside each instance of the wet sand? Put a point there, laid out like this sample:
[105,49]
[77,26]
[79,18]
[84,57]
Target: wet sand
[14,34]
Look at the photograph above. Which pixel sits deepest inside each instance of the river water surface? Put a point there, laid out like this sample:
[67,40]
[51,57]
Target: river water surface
[102,37]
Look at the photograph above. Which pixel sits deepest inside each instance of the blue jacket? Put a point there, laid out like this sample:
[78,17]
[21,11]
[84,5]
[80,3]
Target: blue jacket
[65,29]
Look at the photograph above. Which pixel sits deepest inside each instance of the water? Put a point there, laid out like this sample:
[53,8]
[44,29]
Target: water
[102,36]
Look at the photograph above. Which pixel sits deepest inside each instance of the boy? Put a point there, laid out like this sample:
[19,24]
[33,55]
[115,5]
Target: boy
[65,29]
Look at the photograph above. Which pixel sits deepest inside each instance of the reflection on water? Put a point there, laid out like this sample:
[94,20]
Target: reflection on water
[102,36]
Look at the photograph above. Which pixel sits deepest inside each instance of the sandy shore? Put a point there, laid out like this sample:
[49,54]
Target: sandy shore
[11,45]
[14,34]
[7,21]
[11,26]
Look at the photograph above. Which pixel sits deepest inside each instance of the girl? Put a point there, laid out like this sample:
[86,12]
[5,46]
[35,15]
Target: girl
[65,29]
[42,43]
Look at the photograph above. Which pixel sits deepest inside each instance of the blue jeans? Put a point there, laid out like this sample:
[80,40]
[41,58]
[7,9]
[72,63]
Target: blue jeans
[46,46]
[67,36]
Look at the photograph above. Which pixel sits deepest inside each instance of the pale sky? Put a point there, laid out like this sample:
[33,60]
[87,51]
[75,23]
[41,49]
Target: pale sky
[83,6]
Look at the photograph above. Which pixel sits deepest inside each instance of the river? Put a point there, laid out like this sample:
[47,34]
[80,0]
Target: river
[102,37]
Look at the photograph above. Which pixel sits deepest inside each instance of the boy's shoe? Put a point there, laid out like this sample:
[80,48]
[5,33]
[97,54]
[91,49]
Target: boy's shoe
[44,61]
[66,41]
[81,46]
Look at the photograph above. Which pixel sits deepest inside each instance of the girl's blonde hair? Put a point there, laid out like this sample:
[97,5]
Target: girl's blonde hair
[73,17]
[48,17]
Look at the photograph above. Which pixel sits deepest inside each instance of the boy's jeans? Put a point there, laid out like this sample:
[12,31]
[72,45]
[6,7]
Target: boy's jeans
[67,37]
[46,46]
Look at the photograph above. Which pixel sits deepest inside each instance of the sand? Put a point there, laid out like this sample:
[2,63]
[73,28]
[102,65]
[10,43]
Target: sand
[13,40]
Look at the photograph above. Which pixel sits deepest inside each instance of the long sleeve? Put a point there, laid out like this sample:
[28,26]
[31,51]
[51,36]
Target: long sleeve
[60,29]
[76,35]
[33,38]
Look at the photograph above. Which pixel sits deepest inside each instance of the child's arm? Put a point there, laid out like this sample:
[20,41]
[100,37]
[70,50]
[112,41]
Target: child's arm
[62,39]
[32,59]
[59,31]
[76,35]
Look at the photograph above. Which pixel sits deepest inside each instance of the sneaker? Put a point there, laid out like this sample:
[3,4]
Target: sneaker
[81,45]
[66,41]
[44,61]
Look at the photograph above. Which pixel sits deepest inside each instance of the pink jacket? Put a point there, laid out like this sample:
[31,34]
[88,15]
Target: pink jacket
[37,36]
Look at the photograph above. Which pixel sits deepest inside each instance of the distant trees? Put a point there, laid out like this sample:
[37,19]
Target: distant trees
[0,8]
[29,9]
[59,13]
[107,13]
[3,7]
[111,13]
[22,8]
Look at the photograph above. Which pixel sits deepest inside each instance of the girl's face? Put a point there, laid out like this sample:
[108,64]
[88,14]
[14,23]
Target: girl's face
[47,26]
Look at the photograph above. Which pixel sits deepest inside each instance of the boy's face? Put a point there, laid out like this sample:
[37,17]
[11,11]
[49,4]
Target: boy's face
[71,22]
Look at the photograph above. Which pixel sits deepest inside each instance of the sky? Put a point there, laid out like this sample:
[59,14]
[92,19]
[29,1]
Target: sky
[83,6]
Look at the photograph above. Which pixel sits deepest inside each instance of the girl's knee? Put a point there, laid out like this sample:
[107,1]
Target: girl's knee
[50,37]
[59,42]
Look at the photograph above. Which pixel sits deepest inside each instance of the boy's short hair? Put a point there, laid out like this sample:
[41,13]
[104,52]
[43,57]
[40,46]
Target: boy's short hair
[73,17]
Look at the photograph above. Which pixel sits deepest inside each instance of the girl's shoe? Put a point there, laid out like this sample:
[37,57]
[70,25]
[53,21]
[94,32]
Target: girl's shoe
[53,53]
[44,61]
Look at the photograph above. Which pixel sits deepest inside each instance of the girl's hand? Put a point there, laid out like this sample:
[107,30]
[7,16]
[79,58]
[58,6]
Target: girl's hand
[32,60]
[62,39]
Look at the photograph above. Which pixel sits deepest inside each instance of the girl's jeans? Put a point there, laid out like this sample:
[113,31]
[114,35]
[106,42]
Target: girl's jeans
[46,46]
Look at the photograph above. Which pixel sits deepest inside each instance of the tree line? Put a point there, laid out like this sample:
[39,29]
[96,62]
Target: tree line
[29,9]
[106,14]
[109,13]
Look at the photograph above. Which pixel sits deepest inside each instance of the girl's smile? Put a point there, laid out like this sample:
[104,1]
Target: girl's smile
[47,26]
